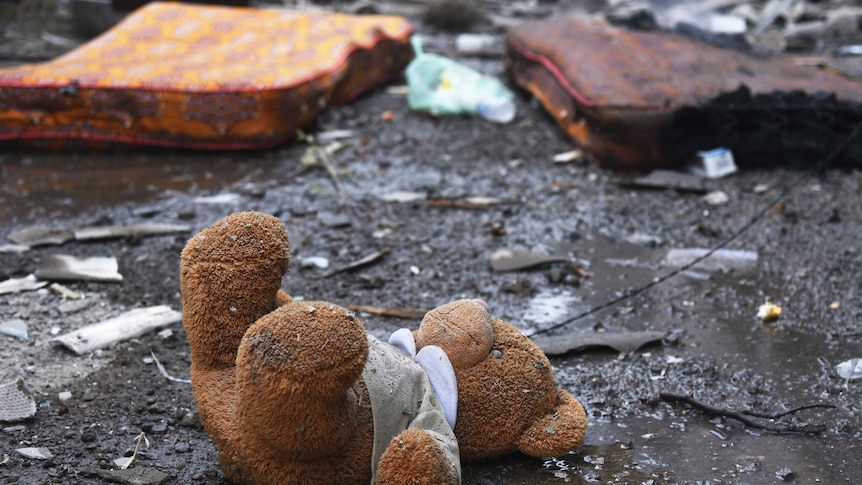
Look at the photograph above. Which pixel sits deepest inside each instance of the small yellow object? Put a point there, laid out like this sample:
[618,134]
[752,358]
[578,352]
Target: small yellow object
[835,305]
[768,311]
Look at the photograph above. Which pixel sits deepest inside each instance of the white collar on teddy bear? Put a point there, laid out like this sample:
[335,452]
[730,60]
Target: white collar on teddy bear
[437,367]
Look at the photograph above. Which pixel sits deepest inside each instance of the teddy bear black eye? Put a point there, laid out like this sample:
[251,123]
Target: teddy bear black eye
[496,354]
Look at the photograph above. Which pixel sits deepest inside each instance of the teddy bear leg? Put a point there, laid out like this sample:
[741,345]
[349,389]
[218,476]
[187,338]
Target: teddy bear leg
[416,457]
[557,433]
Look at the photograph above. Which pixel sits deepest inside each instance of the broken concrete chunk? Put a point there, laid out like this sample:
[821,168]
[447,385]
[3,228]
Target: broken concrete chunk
[507,259]
[40,236]
[135,230]
[27,283]
[721,260]
[35,453]
[134,476]
[14,328]
[65,267]
[16,402]
[622,342]
[126,326]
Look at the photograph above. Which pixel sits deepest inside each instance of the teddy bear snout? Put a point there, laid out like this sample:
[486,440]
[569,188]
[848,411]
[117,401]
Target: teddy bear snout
[462,328]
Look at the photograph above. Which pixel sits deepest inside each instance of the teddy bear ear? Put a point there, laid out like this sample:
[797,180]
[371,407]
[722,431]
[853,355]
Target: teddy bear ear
[440,373]
[463,329]
[402,339]
[557,433]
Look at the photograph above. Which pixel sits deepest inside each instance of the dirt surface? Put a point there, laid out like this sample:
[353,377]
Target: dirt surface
[612,237]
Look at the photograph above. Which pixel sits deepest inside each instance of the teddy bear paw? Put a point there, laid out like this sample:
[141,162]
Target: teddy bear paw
[416,457]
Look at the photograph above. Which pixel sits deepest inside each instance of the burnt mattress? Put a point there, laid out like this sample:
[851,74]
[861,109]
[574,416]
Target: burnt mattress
[640,100]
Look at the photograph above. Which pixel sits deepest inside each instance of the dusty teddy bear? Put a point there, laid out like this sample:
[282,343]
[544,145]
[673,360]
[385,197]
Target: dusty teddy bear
[298,392]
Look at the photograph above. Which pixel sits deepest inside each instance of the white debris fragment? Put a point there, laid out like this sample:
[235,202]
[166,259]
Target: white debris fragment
[850,370]
[718,197]
[40,236]
[479,200]
[714,164]
[64,396]
[14,248]
[473,43]
[325,137]
[134,230]
[123,462]
[720,260]
[672,359]
[129,325]
[402,196]
[218,199]
[318,262]
[27,283]
[35,453]
[567,157]
[15,328]
[66,267]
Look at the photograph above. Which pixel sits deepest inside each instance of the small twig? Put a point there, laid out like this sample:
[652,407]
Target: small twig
[742,416]
[456,204]
[371,258]
[165,373]
[410,313]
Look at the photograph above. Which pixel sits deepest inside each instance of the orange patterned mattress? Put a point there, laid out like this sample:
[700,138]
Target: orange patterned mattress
[206,77]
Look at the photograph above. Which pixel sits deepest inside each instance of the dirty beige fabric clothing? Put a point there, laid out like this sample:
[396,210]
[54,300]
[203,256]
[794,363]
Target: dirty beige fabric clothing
[402,397]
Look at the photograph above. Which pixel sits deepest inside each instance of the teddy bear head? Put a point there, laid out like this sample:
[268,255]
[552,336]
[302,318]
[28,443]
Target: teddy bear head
[508,399]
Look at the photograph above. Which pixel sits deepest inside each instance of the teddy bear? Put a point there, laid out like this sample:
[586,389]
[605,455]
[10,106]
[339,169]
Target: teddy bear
[298,391]
[508,399]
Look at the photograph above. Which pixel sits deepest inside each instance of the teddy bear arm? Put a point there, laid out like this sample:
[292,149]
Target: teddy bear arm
[282,298]
[557,433]
[417,457]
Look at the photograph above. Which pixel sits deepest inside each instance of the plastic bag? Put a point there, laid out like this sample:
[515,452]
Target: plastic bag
[445,87]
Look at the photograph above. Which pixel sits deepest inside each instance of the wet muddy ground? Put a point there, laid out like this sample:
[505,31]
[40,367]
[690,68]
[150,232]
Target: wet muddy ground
[613,239]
